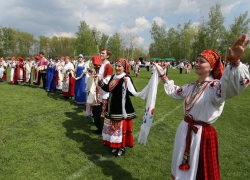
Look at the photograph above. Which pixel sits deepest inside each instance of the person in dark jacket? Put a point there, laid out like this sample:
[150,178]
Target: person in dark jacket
[117,129]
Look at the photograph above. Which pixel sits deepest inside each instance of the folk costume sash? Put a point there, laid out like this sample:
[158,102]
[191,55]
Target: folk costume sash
[191,127]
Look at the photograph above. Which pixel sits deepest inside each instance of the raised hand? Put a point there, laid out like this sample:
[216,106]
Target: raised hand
[238,47]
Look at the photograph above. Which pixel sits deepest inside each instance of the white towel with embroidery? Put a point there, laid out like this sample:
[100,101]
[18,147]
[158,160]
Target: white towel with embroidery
[149,93]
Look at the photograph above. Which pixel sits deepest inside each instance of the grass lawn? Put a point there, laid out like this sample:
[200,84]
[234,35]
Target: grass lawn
[44,136]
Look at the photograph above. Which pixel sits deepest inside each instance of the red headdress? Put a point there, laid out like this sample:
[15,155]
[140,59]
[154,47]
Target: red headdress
[37,57]
[20,58]
[125,64]
[28,59]
[13,58]
[214,60]
[96,60]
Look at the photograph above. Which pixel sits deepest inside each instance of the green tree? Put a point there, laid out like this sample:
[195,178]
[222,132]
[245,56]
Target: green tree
[115,45]
[215,28]
[104,41]
[158,35]
[25,41]
[44,44]
[85,42]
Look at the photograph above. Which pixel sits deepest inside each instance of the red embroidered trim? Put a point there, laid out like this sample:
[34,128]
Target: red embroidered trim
[113,84]
[164,79]
[196,97]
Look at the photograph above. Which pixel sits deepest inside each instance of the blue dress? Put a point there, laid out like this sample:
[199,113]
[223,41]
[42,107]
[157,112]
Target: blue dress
[50,81]
[80,87]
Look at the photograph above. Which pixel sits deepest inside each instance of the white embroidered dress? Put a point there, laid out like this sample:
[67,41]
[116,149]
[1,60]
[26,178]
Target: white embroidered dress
[66,70]
[207,108]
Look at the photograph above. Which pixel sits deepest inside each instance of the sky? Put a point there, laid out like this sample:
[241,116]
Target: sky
[62,17]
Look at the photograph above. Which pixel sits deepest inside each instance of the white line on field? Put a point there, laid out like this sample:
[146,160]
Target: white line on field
[91,164]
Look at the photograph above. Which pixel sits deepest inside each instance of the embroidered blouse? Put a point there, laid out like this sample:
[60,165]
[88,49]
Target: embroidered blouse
[114,108]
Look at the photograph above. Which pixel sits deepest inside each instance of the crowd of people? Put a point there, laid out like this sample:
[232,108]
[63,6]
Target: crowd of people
[106,95]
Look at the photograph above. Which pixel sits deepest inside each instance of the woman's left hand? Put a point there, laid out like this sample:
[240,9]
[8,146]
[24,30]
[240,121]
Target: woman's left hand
[238,47]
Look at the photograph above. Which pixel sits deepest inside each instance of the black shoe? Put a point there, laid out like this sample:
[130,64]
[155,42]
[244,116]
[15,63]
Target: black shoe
[97,131]
[120,152]
[113,151]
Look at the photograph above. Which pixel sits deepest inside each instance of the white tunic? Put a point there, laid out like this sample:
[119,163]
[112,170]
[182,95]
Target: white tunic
[207,108]
[12,66]
[27,66]
[1,69]
[66,71]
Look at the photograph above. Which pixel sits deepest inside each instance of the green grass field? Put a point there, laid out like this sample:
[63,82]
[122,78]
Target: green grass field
[44,136]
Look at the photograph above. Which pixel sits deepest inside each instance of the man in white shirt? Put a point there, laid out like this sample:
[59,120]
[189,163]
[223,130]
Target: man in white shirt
[181,66]
[105,72]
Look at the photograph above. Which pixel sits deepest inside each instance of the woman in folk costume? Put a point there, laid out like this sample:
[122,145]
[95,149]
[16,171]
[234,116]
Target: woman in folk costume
[165,67]
[27,68]
[68,85]
[80,83]
[13,76]
[117,129]
[36,74]
[92,88]
[3,70]
[20,71]
[58,76]
[188,66]
[137,68]
[50,76]
[195,154]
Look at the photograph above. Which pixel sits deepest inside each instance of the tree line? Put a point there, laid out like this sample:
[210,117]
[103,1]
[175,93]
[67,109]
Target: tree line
[13,42]
[187,41]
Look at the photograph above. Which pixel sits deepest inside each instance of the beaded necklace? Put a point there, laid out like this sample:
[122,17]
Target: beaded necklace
[194,95]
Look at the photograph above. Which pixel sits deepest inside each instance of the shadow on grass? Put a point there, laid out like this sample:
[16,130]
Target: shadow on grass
[93,147]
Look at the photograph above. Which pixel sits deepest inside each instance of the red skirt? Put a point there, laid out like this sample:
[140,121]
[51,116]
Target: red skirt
[14,77]
[208,167]
[56,78]
[127,135]
[71,90]
[35,76]
[4,78]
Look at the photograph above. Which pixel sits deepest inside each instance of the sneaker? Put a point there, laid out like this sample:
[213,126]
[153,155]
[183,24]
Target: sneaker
[121,152]
[113,151]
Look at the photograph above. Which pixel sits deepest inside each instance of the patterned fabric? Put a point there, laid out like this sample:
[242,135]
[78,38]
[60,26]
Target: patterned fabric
[191,127]
[71,87]
[208,161]
[215,61]
[104,106]
[117,134]
[125,64]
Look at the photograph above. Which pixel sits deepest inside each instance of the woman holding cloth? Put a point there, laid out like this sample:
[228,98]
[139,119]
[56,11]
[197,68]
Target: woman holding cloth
[195,154]
[117,128]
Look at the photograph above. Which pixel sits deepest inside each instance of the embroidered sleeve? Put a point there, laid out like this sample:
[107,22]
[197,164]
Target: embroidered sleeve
[101,83]
[233,81]
[104,86]
[177,92]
